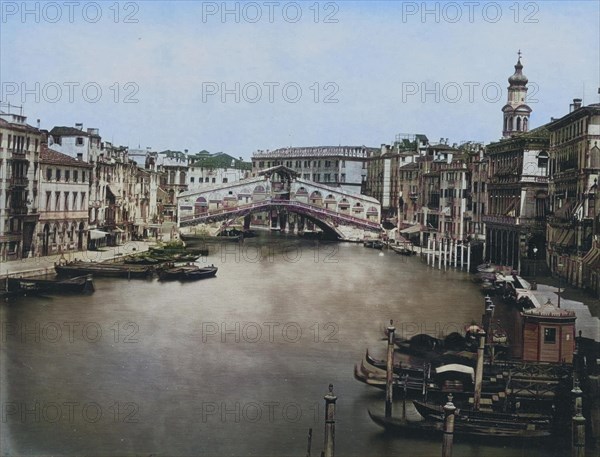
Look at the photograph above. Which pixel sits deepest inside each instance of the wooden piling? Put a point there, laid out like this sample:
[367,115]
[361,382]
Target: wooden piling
[479,371]
[578,424]
[389,372]
[449,412]
[329,444]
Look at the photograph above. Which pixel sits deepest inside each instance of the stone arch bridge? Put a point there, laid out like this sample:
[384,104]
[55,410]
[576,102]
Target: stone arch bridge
[289,201]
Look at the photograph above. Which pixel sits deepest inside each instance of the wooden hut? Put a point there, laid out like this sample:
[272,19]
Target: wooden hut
[548,334]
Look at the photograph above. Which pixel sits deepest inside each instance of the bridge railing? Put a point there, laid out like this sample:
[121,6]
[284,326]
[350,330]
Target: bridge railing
[284,202]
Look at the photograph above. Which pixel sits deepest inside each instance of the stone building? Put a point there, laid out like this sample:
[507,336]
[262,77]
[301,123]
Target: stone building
[19,198]
[174,168]
[336,166]
[518,201]
[383,172]
[208,169]
[574,171]
[64,201]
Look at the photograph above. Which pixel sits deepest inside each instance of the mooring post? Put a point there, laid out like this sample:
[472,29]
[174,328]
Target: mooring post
[405,385]
[389,372]
[479,370]
[449,411]
[578,424]
[309,442]
[469,257]
[329,445]
[440,257]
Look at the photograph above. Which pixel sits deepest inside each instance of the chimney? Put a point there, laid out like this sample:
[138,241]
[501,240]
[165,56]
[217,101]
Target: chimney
[80,156]
[79,125]
[576,103]
[186,151]
[38,123]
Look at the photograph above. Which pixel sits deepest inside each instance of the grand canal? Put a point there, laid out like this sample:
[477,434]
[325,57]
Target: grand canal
[236,365]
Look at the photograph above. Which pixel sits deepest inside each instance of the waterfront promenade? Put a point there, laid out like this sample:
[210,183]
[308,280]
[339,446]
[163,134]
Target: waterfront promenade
[35,266]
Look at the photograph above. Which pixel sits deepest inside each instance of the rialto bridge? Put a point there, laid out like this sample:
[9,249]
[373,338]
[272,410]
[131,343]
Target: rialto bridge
[290,203]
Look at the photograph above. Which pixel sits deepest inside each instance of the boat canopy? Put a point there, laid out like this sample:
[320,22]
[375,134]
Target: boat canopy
[457,368]
[97,234]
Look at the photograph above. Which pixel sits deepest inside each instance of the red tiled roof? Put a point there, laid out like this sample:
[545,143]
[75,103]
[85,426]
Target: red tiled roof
[51,156]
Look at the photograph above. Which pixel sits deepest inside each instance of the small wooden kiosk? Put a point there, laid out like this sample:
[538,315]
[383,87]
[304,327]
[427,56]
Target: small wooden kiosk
[548,334]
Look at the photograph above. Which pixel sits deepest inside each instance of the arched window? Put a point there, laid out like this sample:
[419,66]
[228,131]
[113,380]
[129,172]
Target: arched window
[358,208]
[510,123]
[302,191]
[525,122]
[518,124]
[200,206]
[595,157]
[316,198]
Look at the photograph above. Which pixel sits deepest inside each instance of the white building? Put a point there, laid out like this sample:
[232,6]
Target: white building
[337,166]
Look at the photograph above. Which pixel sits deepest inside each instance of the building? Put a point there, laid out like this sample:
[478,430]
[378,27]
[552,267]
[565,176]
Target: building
[85,145]
[20,146]
[206,169]
[478,169]
[336,166]
[574,171]
[383,172]
[517,191]
[64,194]
[174,167]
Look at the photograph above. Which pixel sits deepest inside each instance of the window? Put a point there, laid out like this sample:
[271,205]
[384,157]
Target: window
[66,208]
[82,200]
[57,201]
[214,180]
[224,180]
[343,164]
[83,176]
[74,205]
[549,335]
[191,179]
[75,175]
[48,174]
[67,175]
[343,177]
[48,200]
[58,174]
[79,141]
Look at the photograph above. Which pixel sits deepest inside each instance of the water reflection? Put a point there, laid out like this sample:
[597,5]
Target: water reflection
[235,365]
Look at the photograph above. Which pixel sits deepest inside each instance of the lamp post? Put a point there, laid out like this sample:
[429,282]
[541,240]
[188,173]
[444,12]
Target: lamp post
[535,251]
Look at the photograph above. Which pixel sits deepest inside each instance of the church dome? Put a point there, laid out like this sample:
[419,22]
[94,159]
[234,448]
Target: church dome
[518,79]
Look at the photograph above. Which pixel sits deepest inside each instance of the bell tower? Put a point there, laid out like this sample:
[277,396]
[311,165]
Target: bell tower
[516,111]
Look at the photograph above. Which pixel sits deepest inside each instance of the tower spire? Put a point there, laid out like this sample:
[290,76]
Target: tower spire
[516,111]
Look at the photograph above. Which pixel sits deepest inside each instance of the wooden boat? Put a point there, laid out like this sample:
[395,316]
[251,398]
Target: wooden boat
[461,428]
[402,250]
[188,272]
[436,412]
[115,270]
[201,273]
[77,285]
[374,244]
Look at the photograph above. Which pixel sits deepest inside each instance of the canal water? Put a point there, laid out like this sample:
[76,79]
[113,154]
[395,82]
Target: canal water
[232,366]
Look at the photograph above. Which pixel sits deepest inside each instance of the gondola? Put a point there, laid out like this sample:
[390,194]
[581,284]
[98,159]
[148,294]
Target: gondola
[116,270]
[201,273]
[461,428]
[374,244]
[436,412]
[402,250]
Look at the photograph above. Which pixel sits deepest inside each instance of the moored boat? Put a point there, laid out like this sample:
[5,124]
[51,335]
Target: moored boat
[77,285]
[115,270]
[188,272]
[461,428]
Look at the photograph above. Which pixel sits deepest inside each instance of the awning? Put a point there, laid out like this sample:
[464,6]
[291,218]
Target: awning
[412,229]
[97,234]
[563,212]
[567,238]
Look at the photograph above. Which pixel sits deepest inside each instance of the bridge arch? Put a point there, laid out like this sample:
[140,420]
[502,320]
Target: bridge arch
[316,198]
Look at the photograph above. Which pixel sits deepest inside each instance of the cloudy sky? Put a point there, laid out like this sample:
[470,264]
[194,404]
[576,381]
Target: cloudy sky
[242,76]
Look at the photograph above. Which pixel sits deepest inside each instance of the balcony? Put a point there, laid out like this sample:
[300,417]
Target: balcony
[19,155]
[20,181]
[17,211]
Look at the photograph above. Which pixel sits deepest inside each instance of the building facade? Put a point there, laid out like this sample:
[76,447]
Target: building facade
[64,194]
[574,171]
[337,166]
[20,146]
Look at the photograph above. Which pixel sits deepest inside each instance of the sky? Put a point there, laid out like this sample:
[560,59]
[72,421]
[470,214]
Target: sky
[241,76]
